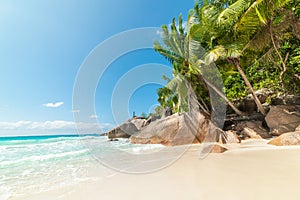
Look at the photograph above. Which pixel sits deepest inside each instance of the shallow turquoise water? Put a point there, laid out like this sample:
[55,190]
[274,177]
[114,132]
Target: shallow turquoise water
[35,164]
[38,163]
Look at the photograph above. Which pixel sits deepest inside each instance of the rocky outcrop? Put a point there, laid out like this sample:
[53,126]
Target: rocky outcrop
[151,119]
[173,130]
[248,104]
[231,137]
[282,119]
[167,112]
[293,100]
[287,139]
[160,131]
[207,148]
[125,130]
[250,134]
[138,122]
[255,126]
[298,128]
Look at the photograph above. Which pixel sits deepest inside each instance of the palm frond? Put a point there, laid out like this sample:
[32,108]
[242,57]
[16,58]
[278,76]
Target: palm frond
[196,51]
[231,14]
[256,15]
[168,54]
[179,85]
[260,40]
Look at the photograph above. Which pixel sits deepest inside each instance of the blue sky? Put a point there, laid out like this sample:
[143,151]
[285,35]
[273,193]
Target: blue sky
[44,43]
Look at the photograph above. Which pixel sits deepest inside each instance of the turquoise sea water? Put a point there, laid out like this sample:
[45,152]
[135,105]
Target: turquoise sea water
[38,163]
[33,164]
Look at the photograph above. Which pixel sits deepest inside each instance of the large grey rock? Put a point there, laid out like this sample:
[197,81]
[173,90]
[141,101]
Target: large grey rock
[138,122]
[125,130]
[173,130]
[287,139]
[151,119]
[282,119]
[248,104]
[256,126]
[286,100]
[167,112]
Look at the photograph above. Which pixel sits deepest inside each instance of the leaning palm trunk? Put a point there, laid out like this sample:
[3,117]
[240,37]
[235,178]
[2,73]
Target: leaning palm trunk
[234,108]
[256,100]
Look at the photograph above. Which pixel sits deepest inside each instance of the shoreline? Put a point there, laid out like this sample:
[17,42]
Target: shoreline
[251,170]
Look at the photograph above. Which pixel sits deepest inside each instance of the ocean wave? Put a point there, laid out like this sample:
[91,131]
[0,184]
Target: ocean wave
[43,158]
[38,165]
[42,139]
[49,146]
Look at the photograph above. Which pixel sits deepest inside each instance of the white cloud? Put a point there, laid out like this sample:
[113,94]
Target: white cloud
[53,105]
[93,116]
[57,125]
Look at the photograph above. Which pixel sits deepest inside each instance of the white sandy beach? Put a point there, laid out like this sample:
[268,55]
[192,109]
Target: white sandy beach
[252,170]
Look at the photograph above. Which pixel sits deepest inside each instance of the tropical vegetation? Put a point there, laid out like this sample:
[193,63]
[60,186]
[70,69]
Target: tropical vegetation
[255,44]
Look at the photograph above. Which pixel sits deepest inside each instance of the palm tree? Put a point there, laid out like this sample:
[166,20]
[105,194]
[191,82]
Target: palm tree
[225,29]
[184,53]
[279,28]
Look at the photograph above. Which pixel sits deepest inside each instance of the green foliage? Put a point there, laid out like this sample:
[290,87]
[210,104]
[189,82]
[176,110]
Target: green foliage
[265,72]
[180,87]
[235,87]
[167,98]
[291,77]
[181,53]
[263,76]
[259,38]
[158,111]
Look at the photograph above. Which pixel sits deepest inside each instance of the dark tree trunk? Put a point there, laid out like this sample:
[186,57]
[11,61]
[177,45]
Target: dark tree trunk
[257,101]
